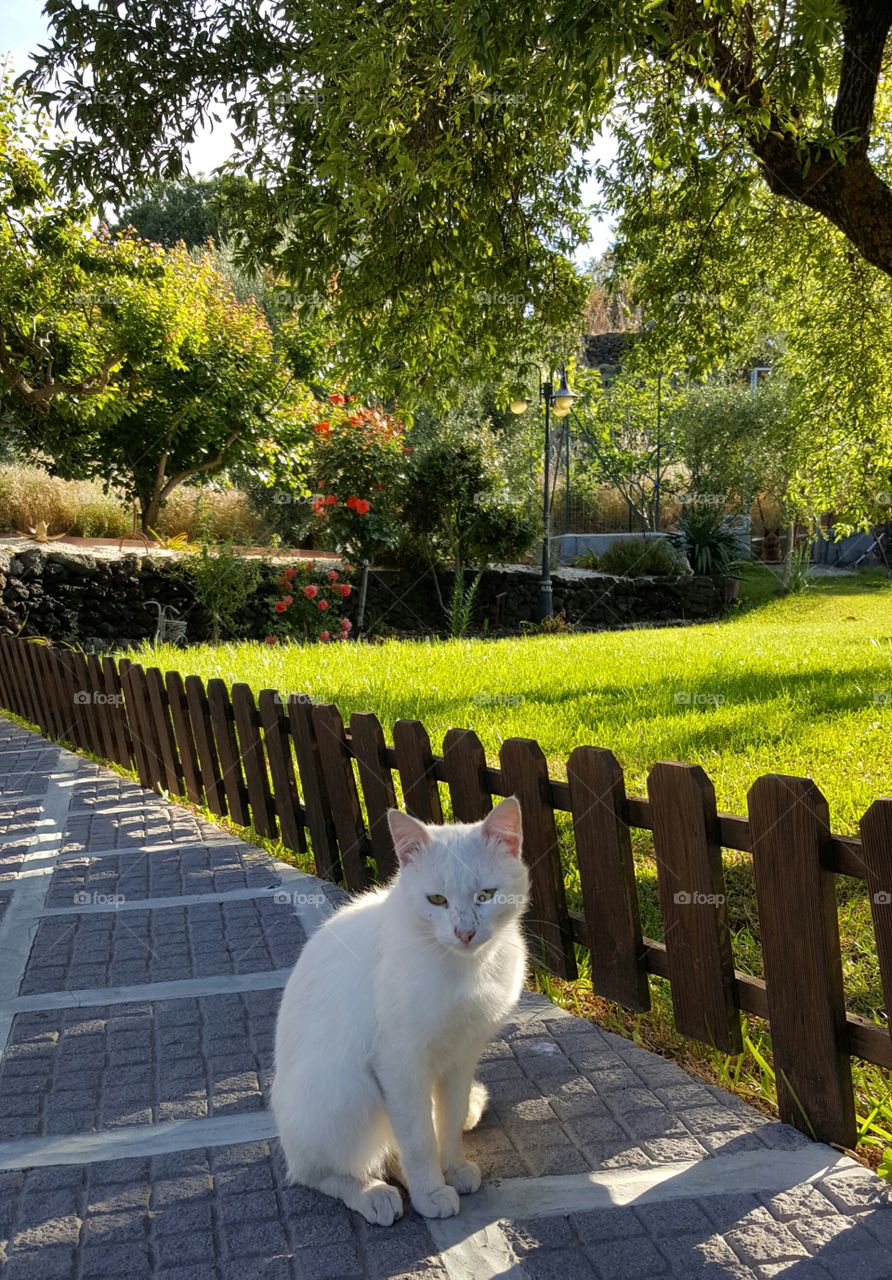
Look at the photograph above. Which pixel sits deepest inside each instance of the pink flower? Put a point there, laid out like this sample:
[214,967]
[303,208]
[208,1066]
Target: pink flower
[345,589]
[324,635]
[322,604]
[271,640]
[346,624]
[311,591]
[290,573]
[288,600]
[281,606]
[332,575]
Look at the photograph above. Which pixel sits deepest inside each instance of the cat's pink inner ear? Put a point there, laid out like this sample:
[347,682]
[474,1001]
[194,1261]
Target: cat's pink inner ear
[409,835]
[504,826]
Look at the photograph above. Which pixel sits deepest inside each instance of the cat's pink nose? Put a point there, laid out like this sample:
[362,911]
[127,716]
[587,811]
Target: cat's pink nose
[465,936]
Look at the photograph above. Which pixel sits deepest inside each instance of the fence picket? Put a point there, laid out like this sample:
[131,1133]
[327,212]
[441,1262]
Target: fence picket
[185,740]
[171,768]
[123,750]
[92,740]
[102,707]
[203,733]
[607,876]
[798,921]
[525,773]
[340,784]
[377,787]
[278,750]
[326,856]
[223,722]
[247,722]
[148,762]
[415,762]
[46,675]
[464,762]
[691,884]
[876,844]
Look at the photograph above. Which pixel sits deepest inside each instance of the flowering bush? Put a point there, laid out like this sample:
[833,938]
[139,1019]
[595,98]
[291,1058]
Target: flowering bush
[359,460]
[309,603]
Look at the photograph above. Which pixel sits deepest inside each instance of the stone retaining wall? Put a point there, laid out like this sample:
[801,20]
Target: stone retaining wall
[102,601]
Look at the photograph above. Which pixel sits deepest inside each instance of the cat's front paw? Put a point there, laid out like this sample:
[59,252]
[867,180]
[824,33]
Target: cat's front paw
[380,1204]
[465,1177]
[442,1202]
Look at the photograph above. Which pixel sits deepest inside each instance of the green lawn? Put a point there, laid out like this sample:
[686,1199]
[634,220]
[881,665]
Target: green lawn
[799,685]
[785,684]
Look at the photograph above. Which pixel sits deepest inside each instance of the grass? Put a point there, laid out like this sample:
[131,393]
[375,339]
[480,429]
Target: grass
[799,685]
[84,509]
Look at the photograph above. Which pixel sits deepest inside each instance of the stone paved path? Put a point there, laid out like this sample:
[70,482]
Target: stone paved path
[142,954]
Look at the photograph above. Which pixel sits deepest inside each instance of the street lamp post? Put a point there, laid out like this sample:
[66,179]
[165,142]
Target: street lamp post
[559,403]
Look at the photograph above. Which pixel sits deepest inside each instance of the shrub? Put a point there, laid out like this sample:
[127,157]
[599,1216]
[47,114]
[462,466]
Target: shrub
[211,515]
[639,558]
[224,583]
[309,603]
[711,546]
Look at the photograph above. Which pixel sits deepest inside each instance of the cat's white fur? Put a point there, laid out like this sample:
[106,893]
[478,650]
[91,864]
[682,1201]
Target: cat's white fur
[387,1012]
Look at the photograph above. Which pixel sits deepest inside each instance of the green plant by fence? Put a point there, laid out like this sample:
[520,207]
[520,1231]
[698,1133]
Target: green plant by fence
[292,769]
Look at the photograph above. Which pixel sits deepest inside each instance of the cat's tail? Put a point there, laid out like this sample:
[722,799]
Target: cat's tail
[476,1105]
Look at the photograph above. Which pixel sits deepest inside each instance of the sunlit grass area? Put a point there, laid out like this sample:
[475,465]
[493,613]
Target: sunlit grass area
[798,684]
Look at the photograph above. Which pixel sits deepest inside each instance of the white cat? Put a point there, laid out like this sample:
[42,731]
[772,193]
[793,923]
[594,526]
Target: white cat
[387,1012]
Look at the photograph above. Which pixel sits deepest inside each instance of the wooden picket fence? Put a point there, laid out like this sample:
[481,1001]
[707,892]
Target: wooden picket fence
[289,768]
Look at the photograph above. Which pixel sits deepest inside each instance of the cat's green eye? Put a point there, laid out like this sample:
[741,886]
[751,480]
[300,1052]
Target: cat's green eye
[436,900]
[485,895]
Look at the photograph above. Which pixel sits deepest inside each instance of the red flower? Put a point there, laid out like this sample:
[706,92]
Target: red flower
[311,591]
[324,635]
[363,507]
[407,449]
[330,500]
[332,575]
[281,606]
[322,604]
[352,502]
[290,573]
[345,589]
[318,506]
[346,624]
[271,640]
[336,397]
[322,428]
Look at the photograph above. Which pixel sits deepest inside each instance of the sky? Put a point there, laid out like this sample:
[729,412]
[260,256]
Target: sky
[23,27]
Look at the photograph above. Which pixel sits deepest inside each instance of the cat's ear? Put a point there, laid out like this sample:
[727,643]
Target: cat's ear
[409,835]
[503,826]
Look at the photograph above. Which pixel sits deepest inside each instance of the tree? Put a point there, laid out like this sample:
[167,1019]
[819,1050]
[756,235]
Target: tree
[421,163]
[188,210]
[124,361]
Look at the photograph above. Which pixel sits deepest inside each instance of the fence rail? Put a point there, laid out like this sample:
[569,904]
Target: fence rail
[292,769]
